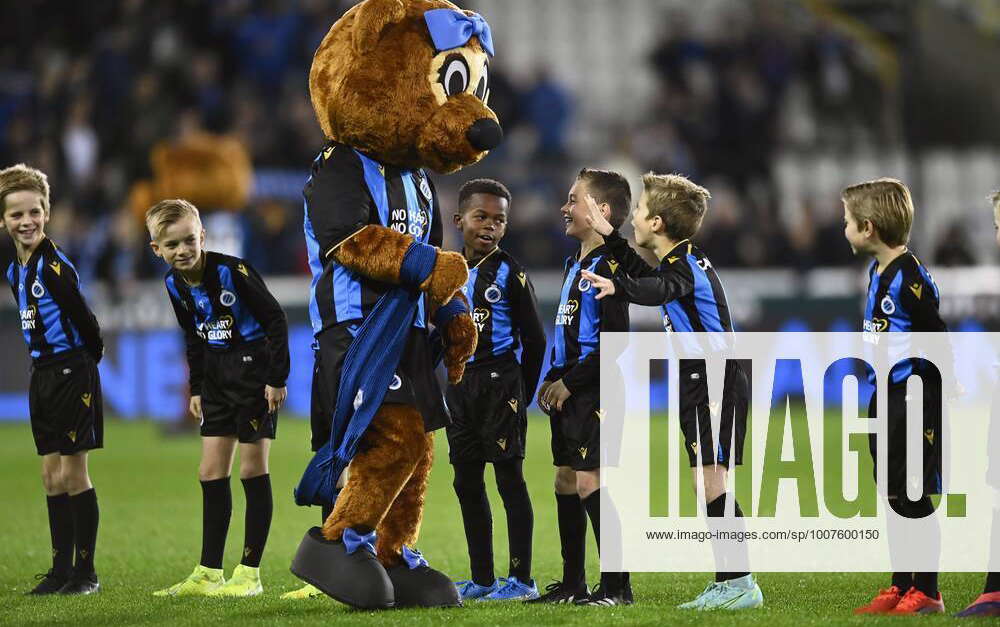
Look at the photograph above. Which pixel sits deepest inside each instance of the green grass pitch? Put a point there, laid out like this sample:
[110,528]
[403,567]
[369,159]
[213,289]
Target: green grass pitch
[150,537]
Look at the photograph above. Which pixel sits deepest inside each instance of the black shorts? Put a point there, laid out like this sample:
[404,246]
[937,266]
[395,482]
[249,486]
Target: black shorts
[696,421]
[896,437]
[67,411]
[414,382]
[232,394]
[489,419]
[576,432]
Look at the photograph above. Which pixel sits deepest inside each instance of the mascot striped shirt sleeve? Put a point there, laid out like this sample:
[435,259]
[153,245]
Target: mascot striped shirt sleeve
[337,202]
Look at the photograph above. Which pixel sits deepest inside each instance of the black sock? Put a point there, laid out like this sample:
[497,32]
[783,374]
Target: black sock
[717,509]
[477,518]
[610,580]
[573,538]
[903,581]
[926,583]
[520,517]
[217,507]
[85,518]
[593,506]
[61,532]
[992,583]
[258,518]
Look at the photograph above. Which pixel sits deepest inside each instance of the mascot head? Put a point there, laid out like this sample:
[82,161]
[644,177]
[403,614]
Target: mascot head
[406,82]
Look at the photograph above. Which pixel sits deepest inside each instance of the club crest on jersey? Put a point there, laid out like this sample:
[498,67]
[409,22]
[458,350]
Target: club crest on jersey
[492,294]
[583,285]
[396,382]
[888,307]
[37,290]
[227,298]
[425,187]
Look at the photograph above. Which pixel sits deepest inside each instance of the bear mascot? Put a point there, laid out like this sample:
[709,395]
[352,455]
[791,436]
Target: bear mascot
[212,171]
[397,86]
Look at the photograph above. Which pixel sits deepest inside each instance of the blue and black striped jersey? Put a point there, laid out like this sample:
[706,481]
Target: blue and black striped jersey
[685,286]
[903,298]
[347,191]
[55,318]
[581,318]
[231,307]
[506,315]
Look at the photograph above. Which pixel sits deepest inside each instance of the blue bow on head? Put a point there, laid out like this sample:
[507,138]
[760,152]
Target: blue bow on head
[453,29]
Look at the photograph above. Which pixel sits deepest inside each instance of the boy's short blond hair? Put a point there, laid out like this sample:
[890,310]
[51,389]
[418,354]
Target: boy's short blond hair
[678,201]
[884,202]
[167,212]
[20,178]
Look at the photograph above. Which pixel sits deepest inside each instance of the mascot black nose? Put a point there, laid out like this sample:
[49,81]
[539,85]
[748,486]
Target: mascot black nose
[484,134]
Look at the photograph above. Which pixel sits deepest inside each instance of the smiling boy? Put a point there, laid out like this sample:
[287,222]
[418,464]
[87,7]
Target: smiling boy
[64,398]
[237,352]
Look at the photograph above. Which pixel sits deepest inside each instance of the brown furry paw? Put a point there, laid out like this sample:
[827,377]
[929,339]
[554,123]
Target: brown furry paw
[449,275]
[460,338]
[375,252]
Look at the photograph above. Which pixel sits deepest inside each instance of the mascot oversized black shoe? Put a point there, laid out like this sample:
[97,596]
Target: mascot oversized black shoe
[345,570]
[418,585]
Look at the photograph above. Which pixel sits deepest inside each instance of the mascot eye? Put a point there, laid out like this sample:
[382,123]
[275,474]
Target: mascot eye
[454,75]
[482,89]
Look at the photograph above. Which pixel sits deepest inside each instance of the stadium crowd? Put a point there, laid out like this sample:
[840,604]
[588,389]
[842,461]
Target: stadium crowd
[86,92]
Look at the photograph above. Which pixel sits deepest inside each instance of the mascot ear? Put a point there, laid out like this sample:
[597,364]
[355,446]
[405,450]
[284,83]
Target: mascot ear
[373,17]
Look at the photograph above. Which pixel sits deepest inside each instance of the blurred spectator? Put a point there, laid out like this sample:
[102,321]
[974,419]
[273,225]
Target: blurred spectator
[547,107]
[954,248]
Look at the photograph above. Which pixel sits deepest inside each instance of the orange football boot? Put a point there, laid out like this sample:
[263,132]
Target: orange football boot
[883,602]
[916,602]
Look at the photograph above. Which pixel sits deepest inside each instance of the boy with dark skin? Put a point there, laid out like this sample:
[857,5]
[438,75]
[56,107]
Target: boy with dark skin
[489,417]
